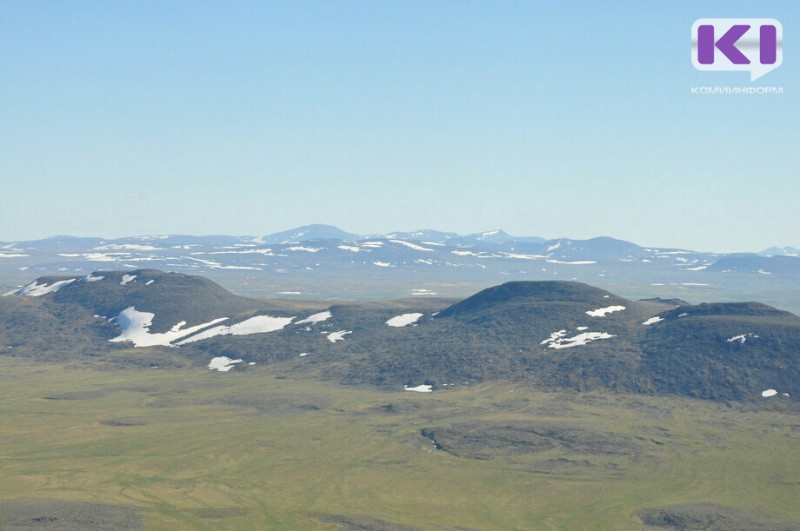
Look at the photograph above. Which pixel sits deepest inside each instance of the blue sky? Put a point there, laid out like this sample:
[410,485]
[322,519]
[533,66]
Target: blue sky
[542,118]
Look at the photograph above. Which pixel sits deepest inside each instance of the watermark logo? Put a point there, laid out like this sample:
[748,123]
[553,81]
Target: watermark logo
[753,45]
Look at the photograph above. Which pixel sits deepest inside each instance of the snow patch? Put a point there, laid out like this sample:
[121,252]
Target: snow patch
[333,337]
[304,249]
[91,278]
[741,338]
[126,279]
[135,327]
[422,291]
[653,320]
[576,262]
[316,318]
[412,245]
[260,324]
[222,364]
[602,312]
[558,341]
[404,320]
[768,393]
[420,388]
[382,264]
[34,289]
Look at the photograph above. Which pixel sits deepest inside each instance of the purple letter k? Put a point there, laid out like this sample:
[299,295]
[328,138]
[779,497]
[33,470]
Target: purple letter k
[726,44]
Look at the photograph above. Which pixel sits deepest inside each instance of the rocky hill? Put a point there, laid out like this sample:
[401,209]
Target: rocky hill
[552,334]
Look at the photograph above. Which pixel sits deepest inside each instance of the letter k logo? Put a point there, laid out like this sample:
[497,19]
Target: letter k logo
[726,44]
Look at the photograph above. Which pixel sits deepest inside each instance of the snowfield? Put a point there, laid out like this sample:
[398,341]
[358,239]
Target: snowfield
[316,318]
[420,388]
[34,289]
[222,364]
[333,337]
[558,341]
[135,327]
[602,312]
[404,320]
[259,324]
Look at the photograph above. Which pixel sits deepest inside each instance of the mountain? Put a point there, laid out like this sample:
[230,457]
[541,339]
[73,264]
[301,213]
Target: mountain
[551,334]
[321,262]
[781,251]
[310,232]
[753,263]
[424,235]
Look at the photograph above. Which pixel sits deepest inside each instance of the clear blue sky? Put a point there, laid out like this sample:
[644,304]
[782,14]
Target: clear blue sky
[541,118]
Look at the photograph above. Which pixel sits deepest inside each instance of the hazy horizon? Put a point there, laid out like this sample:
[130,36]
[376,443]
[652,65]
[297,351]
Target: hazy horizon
[543,120]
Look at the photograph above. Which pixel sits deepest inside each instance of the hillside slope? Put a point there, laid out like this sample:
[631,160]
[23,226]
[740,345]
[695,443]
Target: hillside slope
[550,334]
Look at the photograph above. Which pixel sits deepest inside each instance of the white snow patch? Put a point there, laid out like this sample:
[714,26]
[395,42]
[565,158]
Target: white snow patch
[465,253]
[127,247]
[34,289]
[349,248]
[557,341]
[372,245]
[404,320]
[412,245]
[126,279]
[602,312]
[524,256]
[290,293]
[555,336]
[382,264]
[91,278]
[304,249]
[741,338]
[222,364]
[100,257]
[768,393]
[265,252]
[260,324]
[554,247]
[576,262]
[698,268]
[582,328]
[420,388]
[149,282]
[303,354]
[333,337]
[316,318]
[135,327]
[422,291]
[764,272]
[13,255]
[653,320]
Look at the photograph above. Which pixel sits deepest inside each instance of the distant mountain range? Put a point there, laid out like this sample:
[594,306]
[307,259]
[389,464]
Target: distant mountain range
[322,261]
[552,334]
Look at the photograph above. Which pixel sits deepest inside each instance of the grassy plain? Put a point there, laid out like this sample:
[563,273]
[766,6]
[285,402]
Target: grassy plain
[195,449]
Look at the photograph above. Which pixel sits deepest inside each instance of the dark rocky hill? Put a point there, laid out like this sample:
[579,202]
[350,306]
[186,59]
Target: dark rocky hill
[550,334]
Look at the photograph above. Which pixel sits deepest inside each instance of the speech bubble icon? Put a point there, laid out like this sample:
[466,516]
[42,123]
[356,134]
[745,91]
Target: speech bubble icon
[753,45]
